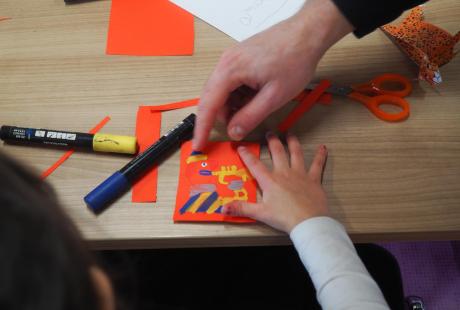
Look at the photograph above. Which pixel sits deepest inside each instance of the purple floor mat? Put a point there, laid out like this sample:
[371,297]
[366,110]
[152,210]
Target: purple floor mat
[430,270]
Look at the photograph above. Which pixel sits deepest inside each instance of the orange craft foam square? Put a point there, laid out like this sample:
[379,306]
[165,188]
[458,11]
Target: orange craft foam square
[149,28]
[212,178]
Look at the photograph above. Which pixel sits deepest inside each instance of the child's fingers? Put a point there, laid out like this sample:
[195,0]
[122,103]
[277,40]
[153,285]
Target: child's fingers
[242,209]
[295,150]
[317,165]
[277,151]
[258,170]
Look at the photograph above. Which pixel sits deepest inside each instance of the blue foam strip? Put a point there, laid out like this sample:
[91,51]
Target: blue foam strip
[207,203]
[188,203]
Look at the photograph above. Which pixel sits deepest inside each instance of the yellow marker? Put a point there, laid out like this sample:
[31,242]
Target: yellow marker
[114,144]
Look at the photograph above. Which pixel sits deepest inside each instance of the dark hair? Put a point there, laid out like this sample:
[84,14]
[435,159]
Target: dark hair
[43,262]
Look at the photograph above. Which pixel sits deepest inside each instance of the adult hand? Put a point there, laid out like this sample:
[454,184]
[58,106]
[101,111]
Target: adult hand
[261,74]
[290,193]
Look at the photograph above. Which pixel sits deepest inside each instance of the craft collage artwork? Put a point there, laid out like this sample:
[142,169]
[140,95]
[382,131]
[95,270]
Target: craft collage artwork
[210,179]
[207,180]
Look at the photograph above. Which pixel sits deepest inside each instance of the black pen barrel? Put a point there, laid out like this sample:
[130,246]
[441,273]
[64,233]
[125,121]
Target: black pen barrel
[143,162]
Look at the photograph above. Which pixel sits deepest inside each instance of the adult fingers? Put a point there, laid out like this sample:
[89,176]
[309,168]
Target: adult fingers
[215,94]
[258,170]
[296,153]
[317,165]
[237,99]
[223,114]
[248,117]
[279,157]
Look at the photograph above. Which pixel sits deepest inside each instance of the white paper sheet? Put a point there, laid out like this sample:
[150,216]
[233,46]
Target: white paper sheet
[241,19]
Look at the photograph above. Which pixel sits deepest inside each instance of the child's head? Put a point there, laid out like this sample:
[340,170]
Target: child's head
[43,262]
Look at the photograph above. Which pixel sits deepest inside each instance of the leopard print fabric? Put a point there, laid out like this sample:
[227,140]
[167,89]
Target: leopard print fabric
[429,46]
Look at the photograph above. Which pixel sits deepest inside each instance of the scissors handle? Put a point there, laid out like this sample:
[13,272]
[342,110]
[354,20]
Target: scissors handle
[374,103]
[380,85]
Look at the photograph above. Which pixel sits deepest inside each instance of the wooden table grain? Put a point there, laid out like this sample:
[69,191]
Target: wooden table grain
[384,181]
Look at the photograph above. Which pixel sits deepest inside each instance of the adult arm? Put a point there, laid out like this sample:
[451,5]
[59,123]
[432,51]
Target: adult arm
[367,15]
[261,74]
[258,76]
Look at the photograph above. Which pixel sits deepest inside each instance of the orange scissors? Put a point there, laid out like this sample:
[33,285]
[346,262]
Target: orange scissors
[387,88]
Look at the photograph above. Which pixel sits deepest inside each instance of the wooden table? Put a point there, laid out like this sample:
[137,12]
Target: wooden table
[384,181]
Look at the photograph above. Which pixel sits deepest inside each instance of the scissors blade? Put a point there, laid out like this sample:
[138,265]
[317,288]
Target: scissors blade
[333,89]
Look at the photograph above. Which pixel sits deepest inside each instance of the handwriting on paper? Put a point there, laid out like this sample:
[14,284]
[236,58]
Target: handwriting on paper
[241,19]
[260,12]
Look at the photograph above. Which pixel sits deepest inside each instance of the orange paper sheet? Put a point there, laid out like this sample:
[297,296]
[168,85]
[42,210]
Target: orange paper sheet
[305,105]
[212,178]
[149,28]
[69,153]
[148,126]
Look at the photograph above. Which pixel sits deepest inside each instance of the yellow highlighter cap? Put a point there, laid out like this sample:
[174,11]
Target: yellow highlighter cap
[114,144]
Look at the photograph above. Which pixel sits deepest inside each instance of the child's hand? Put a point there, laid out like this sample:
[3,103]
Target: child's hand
[291,194]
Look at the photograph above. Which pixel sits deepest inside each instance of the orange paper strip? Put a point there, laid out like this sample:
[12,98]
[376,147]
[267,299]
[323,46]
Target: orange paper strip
[212,178]
[305,105]
[149,28]
[175,105]
[4,18]
[148,126]
[325,99]
[69,153]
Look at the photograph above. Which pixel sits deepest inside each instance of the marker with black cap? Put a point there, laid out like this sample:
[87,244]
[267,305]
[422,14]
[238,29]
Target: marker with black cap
[117,184]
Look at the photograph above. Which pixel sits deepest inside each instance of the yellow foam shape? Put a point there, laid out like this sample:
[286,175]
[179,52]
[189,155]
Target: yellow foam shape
[195,158]
[215,205]
[114,144]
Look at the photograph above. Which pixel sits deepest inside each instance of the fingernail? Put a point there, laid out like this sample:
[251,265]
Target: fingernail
[237,133]
[227,210]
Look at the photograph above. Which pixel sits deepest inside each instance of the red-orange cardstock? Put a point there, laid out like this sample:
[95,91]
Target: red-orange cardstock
[149,28]
[212,178]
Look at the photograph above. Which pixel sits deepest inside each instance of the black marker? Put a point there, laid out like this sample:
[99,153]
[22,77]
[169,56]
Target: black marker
[98,142]
[117,184]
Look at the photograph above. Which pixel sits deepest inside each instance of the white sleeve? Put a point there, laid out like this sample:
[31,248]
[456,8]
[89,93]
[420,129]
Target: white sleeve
[338,274]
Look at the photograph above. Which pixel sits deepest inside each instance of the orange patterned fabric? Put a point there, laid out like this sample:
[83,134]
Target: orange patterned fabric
[429,46]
